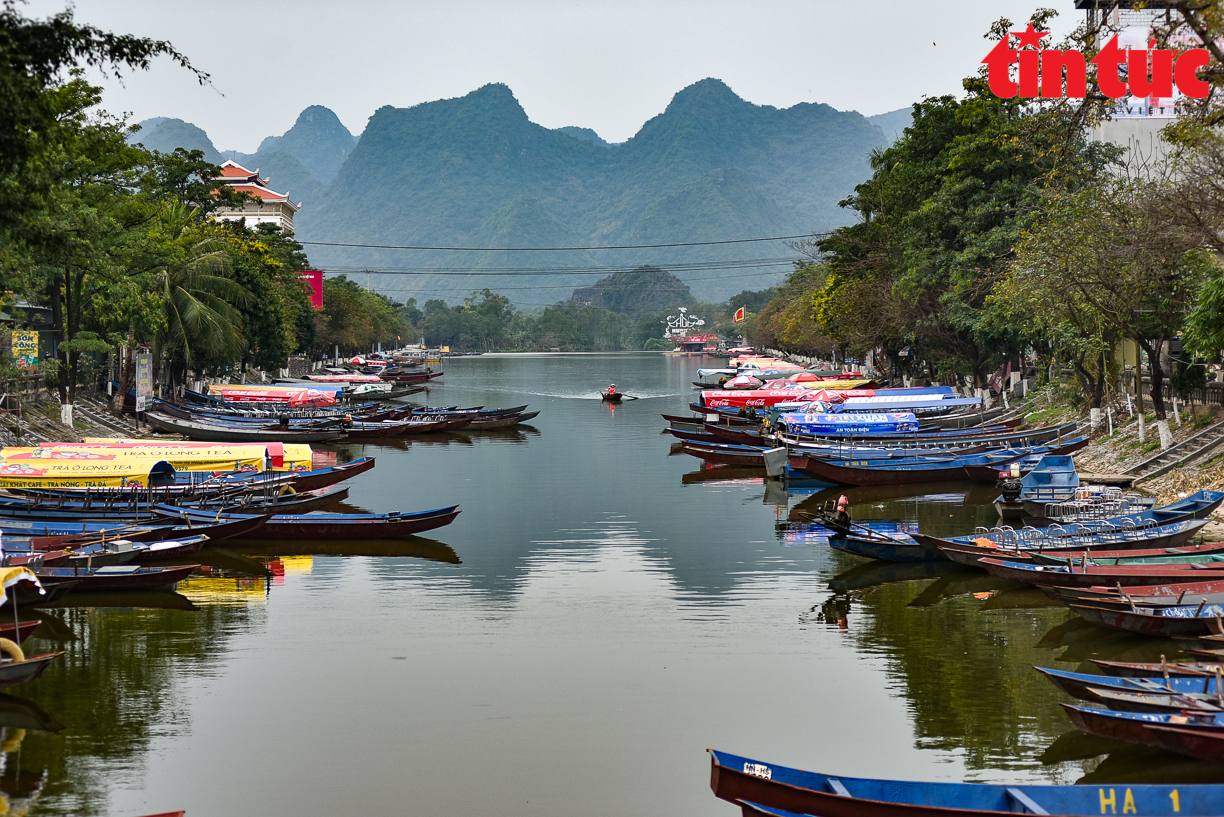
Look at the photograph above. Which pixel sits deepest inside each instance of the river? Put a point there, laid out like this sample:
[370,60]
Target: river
[601,612]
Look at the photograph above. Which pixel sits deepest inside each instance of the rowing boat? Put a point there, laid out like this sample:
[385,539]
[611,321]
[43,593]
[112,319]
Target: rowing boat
[773,789]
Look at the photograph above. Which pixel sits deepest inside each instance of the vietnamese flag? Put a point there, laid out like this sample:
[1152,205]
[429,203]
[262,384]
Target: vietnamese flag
[739,315]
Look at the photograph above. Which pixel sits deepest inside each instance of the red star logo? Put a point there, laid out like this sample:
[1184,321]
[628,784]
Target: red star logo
[1029,37]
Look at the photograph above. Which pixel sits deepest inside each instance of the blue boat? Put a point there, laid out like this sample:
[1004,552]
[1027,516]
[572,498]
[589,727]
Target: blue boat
[901,548]
[1076,684]
[780,790]
[1053,479]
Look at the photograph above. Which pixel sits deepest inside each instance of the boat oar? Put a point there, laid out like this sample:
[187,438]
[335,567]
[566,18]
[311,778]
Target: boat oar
[629,397]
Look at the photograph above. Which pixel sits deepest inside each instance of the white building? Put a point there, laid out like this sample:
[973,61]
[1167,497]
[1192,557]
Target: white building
[271,207]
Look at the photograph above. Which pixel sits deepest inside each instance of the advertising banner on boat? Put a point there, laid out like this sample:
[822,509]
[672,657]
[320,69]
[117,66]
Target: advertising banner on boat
[323,396]
[184,457]
[344,378]
[285,456]
[723,398]
[901,422]
[85,471]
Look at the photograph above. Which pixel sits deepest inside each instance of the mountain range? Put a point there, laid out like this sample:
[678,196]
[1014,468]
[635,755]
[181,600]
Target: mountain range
[475,172]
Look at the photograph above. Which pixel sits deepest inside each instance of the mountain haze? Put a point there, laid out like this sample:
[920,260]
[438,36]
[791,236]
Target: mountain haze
[474,171]
[710,167]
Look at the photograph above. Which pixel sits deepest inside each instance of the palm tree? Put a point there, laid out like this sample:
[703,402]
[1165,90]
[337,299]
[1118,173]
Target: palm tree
[199,300]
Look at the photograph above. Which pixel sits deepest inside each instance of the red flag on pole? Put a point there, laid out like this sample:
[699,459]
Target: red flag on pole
[739,315]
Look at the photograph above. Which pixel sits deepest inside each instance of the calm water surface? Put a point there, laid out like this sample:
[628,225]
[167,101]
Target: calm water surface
[601,612]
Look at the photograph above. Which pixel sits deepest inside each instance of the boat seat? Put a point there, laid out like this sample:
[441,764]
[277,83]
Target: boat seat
[116,569]
[1026,801]
[838,787]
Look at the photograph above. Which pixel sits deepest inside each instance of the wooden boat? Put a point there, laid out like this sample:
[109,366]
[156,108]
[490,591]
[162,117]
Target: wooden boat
[698,419]
[1067,554]
[882,547]
[1187,553]
[1062,542]
[156,531]
[1158,702]
[209,432]
[1136,727]
[849,472]
[20,631]
[1092,575]
[488,423]
[353,525]
[1080,684]
[726,454]
[615,397]
[1164,669]
[326,477]
[14,673]
[779,790]
[358,430]
[1162,622]
[120,577]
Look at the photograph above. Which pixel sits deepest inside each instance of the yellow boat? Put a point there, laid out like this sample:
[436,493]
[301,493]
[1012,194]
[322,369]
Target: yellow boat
[245,457]
[291,456]
[82,469]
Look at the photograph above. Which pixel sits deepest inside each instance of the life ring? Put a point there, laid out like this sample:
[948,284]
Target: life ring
[12,648]
[288,489]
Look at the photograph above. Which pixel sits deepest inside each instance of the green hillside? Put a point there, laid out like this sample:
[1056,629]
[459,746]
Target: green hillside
[165,135]
[893,122]
[317,139]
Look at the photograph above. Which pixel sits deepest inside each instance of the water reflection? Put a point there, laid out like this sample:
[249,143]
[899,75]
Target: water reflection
[607,594]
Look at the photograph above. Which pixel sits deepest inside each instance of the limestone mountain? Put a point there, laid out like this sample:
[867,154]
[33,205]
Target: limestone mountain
[475,171]
[710,167]
[317,140]
[893,122]
[164,135]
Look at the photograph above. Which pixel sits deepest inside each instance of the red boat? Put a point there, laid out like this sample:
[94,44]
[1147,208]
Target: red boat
[1144,623]
[327,477]
[1123,727]
[1094,575]
[19,632]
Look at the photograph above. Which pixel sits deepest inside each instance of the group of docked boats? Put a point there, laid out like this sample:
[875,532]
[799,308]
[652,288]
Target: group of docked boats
[1114,558]
[109,515]
[207,418]
[843,439]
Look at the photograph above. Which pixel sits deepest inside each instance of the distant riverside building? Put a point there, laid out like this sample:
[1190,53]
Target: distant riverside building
[272,207]
[1134,124]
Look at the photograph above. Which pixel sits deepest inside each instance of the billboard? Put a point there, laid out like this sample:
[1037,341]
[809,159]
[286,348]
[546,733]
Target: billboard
[144,379]
[314,280]
[25,349]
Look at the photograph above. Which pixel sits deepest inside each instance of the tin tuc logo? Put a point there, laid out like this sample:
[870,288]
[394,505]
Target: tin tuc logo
[1120,72]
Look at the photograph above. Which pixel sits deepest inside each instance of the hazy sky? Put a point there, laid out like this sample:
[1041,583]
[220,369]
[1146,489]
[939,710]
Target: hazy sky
[609,66]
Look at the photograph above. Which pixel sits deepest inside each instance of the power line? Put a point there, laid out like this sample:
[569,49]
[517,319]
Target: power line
[561,249]
[567,286]
[511,272]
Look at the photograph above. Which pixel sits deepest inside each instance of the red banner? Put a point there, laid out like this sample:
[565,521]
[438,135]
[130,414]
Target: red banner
[314,280]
